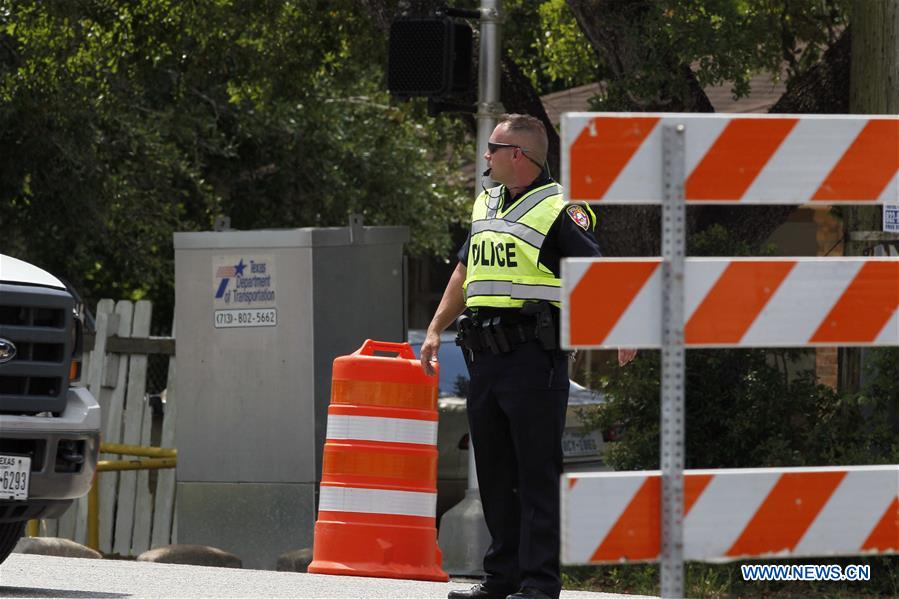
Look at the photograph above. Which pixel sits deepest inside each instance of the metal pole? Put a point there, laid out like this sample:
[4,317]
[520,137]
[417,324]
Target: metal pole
[489,105]
[139,450]
[93,516]
[472,470]
[489,108]
[463,537]
[672,425]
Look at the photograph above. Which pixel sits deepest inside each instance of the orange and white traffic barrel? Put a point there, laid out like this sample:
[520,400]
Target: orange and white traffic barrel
[378,498]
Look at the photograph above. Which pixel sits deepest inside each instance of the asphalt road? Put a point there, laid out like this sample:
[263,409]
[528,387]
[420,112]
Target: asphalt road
[43,576]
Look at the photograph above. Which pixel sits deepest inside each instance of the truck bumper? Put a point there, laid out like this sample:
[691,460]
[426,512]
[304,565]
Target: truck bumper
[55,481]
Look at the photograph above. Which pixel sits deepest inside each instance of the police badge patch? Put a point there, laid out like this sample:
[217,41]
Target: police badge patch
[579,216]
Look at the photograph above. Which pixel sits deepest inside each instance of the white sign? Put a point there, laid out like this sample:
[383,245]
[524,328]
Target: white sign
[243,291]
[14,474]
[891,218]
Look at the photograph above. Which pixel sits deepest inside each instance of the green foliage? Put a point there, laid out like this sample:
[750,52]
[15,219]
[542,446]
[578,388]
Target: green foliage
[726,580]
[124,122]
[548,45]
[717,241]
[644,43]
[721,40]
[746,408]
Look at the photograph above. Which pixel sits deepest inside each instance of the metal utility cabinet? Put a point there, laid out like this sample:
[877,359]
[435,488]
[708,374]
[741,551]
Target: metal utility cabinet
[259,318]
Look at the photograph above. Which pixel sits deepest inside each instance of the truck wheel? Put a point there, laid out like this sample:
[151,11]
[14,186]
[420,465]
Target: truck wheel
[10,533]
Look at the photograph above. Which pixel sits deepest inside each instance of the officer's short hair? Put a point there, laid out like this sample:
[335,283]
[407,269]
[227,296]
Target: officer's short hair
[533,129]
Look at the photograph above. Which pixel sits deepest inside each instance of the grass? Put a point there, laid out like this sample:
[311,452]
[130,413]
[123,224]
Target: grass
[712,581]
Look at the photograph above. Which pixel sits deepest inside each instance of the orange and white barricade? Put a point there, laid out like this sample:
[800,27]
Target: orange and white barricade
[377,505]
[750,159]
[611,517]
[672,159]
[734,302]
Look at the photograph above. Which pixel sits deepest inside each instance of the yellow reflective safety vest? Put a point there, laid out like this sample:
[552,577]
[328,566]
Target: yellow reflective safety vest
[503,270]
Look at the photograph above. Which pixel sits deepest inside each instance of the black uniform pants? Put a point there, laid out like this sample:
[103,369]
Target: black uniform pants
[516,414]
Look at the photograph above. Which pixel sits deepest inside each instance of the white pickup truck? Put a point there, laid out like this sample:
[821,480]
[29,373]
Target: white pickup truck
[49,428]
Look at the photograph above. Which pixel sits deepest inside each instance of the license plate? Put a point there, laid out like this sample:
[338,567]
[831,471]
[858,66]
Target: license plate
[578,444]
[15,474]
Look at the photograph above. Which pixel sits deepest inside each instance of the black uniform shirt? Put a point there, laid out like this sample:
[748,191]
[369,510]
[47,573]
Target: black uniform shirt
[565,238]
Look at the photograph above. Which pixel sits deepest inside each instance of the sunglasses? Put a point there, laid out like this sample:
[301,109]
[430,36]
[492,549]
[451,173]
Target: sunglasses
[493,148]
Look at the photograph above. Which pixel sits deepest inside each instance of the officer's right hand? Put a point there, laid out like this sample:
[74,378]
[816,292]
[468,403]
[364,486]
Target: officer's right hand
[429,352]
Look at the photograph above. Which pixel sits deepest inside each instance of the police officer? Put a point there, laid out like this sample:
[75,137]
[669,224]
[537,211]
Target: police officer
[508,278]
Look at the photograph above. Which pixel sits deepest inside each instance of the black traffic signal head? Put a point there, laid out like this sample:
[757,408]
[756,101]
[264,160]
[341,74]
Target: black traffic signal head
[429,56]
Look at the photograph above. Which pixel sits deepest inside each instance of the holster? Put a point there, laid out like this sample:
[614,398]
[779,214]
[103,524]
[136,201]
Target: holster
[466,339]
[545,330]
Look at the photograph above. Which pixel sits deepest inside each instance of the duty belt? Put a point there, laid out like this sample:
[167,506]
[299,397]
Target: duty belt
[500,335]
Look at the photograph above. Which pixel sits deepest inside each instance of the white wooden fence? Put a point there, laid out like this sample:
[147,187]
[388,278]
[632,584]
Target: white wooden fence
[133,516]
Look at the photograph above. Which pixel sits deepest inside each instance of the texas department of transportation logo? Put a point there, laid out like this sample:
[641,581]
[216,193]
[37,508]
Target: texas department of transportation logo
[248,281]
[226,273]
[7,351]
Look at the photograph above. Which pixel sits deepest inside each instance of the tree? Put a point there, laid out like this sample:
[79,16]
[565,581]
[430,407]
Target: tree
[658,55]
[874,89]
[126,121]
[131,120]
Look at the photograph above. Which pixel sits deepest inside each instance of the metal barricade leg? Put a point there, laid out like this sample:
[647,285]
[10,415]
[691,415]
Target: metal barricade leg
[672,400]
